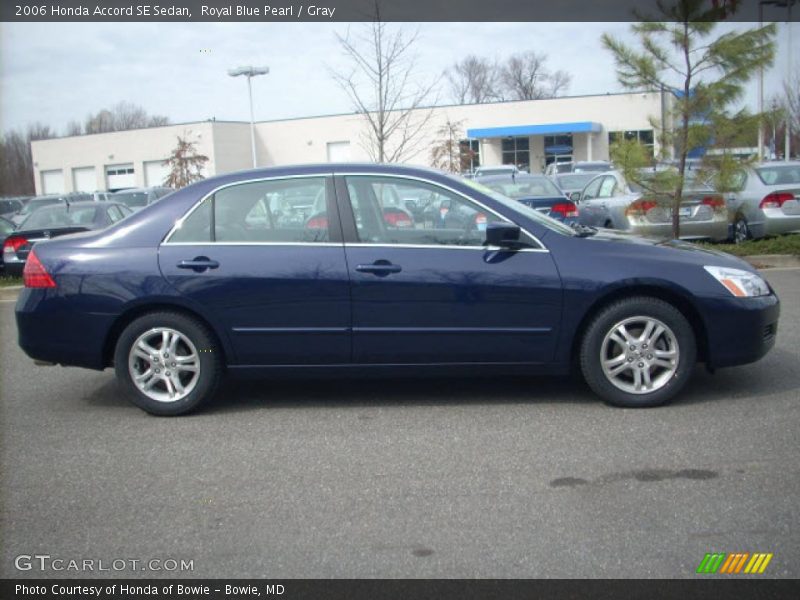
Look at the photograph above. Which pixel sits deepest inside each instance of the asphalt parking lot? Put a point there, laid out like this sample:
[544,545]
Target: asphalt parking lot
[429,478]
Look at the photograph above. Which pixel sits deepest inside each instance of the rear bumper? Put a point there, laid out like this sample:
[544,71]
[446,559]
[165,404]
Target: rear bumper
[716,230]
[740,330]
[59,335]
[778,223]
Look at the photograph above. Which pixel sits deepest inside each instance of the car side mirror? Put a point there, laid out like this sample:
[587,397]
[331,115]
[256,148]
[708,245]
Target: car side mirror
[575,197]
[503,235]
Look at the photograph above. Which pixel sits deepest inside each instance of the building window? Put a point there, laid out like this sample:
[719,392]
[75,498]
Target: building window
[470,154]
[643,136]
[516,151]
[557,148]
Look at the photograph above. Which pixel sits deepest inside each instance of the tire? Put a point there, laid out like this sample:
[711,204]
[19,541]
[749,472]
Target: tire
[741,231]
[609,367]
[193,363]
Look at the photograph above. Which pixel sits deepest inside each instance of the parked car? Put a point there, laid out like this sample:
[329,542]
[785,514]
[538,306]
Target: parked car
[581,166]
[767,201]
[572,183]
[171,308]
[138,198]
[9,207]
[536,191]
[610,201]
[6,229]
[54,221]
[495,170]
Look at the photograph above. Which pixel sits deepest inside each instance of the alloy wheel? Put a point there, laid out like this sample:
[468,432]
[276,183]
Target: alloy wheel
[164,364]
[639,355]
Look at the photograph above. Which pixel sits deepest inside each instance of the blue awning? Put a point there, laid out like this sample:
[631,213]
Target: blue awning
[545,129]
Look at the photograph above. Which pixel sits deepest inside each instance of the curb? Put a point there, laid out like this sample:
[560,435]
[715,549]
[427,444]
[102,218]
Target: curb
[773,261]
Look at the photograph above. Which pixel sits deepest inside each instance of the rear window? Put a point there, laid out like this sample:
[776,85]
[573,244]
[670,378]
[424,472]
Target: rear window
[60,216]
[779,175]
[132,199]
[525,188]
[36,203]
[574,182]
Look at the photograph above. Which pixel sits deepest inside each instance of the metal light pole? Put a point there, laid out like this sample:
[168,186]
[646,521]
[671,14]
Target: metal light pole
[787,155]
[250,72]
[760,154]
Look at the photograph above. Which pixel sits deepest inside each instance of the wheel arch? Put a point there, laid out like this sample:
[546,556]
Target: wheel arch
[135,311]
[660,291]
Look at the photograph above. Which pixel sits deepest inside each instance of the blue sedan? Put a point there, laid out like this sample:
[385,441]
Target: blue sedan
[296,270]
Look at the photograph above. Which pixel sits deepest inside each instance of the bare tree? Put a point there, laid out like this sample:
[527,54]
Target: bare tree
[74,128]
[446,153]
[16,163]
[525,76]
[791,103]
[186,165]
[381,85]
[474,80]
[121,117]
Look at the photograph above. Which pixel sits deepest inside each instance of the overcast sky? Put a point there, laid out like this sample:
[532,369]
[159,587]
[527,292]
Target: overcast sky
[55,72]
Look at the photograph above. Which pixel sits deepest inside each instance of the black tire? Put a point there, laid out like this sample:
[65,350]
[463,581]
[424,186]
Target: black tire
[592,346]
[741,231]
[208,353]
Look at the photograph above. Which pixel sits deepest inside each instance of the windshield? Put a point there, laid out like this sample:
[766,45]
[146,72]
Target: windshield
[60,216]
[780,174]
[518,207]
[525,187]
[132,199]
[6,227]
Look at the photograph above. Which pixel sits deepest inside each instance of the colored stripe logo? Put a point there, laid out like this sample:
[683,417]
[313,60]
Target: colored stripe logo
[734,563]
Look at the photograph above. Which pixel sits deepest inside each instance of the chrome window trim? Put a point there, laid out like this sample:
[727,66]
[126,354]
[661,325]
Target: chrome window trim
[165,241]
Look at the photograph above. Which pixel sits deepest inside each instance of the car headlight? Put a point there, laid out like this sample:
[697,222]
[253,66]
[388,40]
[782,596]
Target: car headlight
[738,282]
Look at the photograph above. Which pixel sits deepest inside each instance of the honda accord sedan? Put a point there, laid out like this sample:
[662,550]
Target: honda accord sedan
[193,288]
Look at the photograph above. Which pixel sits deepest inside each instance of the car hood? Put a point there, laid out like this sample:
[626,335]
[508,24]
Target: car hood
[623,243]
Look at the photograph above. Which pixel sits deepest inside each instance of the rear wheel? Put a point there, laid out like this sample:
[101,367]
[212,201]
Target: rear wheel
[638,352]
[741,231]
[168,363]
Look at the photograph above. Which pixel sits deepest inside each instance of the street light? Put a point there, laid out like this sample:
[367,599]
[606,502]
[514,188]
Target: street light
[250,72]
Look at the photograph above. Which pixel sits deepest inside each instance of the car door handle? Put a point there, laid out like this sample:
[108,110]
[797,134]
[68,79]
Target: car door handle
[380,268]
[198,264]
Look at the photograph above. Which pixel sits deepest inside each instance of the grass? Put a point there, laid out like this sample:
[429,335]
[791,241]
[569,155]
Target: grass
[784,244]
[6,281]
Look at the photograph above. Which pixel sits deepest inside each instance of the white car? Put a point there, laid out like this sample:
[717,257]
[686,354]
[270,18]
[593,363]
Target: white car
[767,201]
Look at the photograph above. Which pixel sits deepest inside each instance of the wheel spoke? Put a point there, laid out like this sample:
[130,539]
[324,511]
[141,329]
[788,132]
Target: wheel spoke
[665,364]
[615,337]
[648,384]
[176,382]
[619,369]
[166,336]
[170,387]
[145,347]
[637,379]
[664,354]
[140,353]
[623,331]
[648,329]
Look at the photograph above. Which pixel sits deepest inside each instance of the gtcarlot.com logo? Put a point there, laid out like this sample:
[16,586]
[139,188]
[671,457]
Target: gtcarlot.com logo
[45,562]
[734,563]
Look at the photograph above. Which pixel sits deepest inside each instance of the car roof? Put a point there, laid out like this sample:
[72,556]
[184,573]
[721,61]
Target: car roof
[517,177]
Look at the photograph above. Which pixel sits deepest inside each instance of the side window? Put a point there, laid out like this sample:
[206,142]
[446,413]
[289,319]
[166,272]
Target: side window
[608,186]
[592,189]
[114,213]
[390,210]
[279,210]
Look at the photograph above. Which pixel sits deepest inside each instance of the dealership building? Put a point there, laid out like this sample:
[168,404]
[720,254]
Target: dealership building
[530,134]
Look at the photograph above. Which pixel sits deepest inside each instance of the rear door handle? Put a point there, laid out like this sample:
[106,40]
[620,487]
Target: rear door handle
[380,268]
[198,264]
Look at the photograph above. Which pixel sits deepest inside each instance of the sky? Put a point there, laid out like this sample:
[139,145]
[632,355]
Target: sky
[56,72]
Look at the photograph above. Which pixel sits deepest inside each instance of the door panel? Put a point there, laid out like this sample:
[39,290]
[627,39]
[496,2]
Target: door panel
[430,292]
[271,270]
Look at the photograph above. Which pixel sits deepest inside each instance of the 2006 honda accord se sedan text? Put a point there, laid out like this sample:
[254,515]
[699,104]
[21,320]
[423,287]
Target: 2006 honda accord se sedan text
[309,270]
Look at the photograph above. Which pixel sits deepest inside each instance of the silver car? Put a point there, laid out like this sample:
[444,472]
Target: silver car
[610,201]
[767,201]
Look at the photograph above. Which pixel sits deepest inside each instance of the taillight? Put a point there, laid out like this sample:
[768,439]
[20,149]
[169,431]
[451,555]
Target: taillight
[775,199]
[34,275]
[566,209]
[715,202]
[12,244]
[317,223]
[640,207]
[397,219]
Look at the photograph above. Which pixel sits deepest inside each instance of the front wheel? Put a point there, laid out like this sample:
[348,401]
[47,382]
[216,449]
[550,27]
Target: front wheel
[168,363]
[638,352]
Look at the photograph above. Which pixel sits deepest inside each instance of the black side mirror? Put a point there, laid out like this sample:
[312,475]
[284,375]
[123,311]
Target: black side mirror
[503,235]
[575,197]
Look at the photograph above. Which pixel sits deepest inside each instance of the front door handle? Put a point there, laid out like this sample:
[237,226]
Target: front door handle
[381,268]
[198,264]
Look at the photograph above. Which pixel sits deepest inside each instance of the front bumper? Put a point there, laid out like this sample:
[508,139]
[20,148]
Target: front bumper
[739,330]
